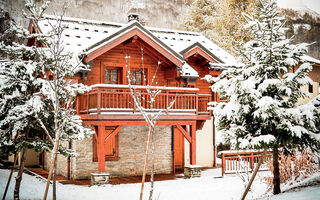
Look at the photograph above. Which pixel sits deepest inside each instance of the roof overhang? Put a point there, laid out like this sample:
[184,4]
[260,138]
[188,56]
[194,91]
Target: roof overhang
[198,48]
[133,29]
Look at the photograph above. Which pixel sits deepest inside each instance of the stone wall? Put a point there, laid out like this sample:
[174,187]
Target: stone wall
[132,143]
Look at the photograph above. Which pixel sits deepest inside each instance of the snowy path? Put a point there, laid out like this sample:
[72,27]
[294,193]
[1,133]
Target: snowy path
[206,187]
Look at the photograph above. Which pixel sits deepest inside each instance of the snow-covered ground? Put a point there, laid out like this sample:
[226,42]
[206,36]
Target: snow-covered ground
[209,186]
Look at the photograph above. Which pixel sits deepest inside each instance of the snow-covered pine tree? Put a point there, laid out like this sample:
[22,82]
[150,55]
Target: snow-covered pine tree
[33,105]
[219,20]
[262,110]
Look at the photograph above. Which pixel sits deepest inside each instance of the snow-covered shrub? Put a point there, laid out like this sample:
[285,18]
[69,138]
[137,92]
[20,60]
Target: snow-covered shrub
[295,168]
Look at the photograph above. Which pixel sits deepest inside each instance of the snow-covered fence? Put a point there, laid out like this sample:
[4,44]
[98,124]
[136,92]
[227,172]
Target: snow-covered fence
[249,159]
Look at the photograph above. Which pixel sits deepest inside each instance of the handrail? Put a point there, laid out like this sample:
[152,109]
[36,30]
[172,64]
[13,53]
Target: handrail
[104,98]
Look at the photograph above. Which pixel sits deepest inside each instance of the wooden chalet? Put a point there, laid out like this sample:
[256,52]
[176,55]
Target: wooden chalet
[178,59]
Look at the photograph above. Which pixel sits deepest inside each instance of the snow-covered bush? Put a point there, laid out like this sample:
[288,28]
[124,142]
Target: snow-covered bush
[295,167]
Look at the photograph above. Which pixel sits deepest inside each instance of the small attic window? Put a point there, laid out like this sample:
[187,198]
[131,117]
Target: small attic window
[181,39]
[79,45]
[203,42]
[211,49]
[105,31]
[89,37]
[76,28]
[96,30]
[173,38]
[171,45]
[86,29]
[67,35]
[188,40]
[77,36]
[46,24]
[165,38]
[67,43]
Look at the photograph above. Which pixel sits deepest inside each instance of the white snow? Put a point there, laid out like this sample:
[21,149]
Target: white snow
[209,185]
[187,70]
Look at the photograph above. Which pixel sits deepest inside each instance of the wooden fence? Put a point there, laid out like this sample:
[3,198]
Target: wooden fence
[240,161]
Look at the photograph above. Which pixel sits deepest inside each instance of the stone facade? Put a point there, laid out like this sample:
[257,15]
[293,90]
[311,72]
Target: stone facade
[132,144]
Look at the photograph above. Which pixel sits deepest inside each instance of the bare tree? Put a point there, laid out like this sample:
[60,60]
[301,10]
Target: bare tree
[145,102]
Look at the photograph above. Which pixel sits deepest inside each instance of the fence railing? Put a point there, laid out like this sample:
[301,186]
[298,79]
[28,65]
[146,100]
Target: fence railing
[240,161]
[107,98]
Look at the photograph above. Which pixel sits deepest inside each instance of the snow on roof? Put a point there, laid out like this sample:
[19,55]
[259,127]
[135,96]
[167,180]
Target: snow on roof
[188,71]
[81,34]
[311,59]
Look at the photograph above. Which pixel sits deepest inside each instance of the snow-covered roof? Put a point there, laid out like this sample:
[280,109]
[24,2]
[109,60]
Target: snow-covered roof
[82,36]
[188,71]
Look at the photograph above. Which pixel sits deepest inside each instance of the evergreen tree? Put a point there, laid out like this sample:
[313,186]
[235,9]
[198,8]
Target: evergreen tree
[262,111]
[220,20]
[37,101]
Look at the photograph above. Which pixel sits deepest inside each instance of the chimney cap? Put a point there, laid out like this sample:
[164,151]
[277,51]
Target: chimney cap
[133,16]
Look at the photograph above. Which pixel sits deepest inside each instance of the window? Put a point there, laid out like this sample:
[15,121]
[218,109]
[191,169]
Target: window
[137,77]
[310,88]
[111,76]
[111,147]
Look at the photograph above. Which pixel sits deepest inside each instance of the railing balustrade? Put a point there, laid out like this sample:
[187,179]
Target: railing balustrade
[240,161]
[107,98]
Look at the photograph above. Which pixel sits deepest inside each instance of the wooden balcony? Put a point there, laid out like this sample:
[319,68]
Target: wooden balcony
[107,99]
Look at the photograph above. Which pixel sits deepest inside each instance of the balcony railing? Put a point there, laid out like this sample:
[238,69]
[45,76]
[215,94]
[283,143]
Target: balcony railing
[110,99]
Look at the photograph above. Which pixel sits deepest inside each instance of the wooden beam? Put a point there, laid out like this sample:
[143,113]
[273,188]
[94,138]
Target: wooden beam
[193,149]
[113,134]
[184,133]
[139,117]
[196,52]
[135,122]
[101,149]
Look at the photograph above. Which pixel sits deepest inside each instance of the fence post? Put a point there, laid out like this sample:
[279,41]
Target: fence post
[167,101]
[99,101]
[197,102]
[251,161]
[223,163]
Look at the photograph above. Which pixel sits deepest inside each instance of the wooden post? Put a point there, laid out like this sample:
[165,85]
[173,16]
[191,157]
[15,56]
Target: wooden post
[197,103]
[99,101]
[251,161]
[167,101]
[223,160]
[101,150]
[87,103]
[193,144]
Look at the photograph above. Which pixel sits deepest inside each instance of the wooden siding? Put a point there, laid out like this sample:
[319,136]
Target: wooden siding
[115,58]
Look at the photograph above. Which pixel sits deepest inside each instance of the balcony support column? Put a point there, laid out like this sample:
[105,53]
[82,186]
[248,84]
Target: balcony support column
[193,150]
[101,149]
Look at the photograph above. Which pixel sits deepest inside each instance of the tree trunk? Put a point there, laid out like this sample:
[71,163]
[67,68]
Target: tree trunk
[10,176]
[146,162]
[19,176]
[276,173]
[54,186]
[152,166]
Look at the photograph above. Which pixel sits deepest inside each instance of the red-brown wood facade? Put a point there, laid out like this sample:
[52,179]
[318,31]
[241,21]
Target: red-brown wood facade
[136,51]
